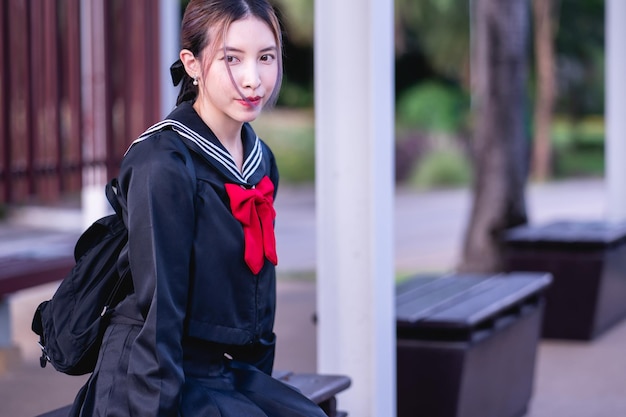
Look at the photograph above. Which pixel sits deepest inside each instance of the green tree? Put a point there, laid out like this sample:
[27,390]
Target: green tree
[500,58]
[580,57]
[544,22]
[440,30]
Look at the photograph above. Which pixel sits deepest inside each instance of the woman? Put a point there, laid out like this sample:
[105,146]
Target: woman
[195,337]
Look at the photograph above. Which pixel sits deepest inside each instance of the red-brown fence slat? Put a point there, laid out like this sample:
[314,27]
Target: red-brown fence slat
[5,144]
[47,158]
[51,127]
[72,104]
[20,118]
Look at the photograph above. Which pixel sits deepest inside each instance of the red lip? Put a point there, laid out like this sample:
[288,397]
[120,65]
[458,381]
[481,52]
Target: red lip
[251,101]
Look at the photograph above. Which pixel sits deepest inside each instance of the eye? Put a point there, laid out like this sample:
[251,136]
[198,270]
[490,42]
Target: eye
[267,58]
[231,59]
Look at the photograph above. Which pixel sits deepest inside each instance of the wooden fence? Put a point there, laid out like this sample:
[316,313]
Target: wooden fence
[79,80]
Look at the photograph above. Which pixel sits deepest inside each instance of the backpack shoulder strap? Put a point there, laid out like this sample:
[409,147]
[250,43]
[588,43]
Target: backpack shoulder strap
[111,193]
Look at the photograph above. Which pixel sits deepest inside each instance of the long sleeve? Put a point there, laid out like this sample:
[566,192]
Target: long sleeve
[160,210]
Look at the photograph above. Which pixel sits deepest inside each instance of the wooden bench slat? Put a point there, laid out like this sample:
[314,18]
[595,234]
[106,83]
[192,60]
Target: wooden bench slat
[494,298]
[466,302]
[318,388]
[424,300]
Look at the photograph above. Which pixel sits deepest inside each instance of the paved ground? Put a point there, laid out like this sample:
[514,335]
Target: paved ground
[572,379]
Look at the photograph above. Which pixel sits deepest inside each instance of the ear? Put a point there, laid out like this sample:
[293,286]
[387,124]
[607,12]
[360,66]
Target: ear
[191,63]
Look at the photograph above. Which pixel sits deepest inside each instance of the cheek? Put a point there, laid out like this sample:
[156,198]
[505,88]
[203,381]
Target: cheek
[225,82]
[221,89]
[269,75]
[218,77]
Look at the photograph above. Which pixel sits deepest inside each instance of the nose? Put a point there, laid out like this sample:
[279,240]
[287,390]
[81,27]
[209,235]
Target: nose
[251,78]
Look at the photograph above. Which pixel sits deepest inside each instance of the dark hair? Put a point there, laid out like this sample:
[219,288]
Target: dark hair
[201,15]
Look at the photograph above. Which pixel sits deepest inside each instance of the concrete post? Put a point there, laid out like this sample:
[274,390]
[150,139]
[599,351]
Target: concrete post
[9,352]
[5,322]
[615,99]
[354,200]
[93,68]
[169,41]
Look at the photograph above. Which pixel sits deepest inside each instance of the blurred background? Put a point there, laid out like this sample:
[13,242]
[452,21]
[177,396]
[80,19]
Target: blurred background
[47,119]
[80,79]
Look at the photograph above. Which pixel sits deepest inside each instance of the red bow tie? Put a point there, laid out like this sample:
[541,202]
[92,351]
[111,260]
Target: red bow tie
[254,209]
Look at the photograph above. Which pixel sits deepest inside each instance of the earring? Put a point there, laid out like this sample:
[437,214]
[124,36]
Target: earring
[195,81]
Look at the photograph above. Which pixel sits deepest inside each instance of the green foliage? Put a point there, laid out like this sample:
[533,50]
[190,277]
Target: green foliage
[578,147]
[291,136]
[581,27]
[567,133]
[442,168]
[432,107]
[295,95]
[440,29]
[297,17]
[579,163]
[579,48]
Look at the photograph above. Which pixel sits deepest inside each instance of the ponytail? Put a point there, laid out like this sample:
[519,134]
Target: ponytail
[188,91]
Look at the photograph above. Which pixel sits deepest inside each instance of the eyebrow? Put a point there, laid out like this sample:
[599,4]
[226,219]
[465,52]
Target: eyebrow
[231,49]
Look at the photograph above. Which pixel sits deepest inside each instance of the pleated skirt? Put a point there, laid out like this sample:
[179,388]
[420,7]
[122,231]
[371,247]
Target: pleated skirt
[213,387]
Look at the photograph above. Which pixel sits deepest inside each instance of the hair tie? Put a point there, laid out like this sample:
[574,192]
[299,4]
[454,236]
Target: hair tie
[177,71]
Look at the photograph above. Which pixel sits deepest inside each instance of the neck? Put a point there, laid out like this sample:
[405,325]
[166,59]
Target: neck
[227,131]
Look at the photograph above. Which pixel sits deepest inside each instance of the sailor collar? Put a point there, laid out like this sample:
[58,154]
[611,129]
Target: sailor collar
[198,136]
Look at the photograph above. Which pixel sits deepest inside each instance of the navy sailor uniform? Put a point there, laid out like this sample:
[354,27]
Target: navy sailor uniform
[195,337]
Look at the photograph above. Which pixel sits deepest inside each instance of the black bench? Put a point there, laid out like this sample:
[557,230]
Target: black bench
[466,344]
[587,260]
[321,389]
[30,270]
[23,271]
[20,272]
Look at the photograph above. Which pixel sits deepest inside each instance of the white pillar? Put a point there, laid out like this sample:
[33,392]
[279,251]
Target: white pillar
[169,41]
[615,103]
[354,197]
[93,64]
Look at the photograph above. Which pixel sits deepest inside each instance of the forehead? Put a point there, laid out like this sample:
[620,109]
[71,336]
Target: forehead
[250,33]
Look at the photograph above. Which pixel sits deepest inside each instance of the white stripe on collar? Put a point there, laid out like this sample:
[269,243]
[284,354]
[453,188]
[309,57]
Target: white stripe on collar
[250,165]
[253,160]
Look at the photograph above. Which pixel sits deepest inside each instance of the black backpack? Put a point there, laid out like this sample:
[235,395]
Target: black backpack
[71,324]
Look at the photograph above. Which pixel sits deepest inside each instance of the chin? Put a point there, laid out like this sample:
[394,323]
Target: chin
[249,117]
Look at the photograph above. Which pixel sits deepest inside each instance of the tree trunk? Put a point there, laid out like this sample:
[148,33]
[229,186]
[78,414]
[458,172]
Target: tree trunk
[544,52]
[500,145]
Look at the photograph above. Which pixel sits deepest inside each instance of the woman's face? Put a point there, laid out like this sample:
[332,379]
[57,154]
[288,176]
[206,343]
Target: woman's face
[250,54]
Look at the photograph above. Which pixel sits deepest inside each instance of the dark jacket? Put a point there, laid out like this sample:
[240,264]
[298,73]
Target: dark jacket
[186,252]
